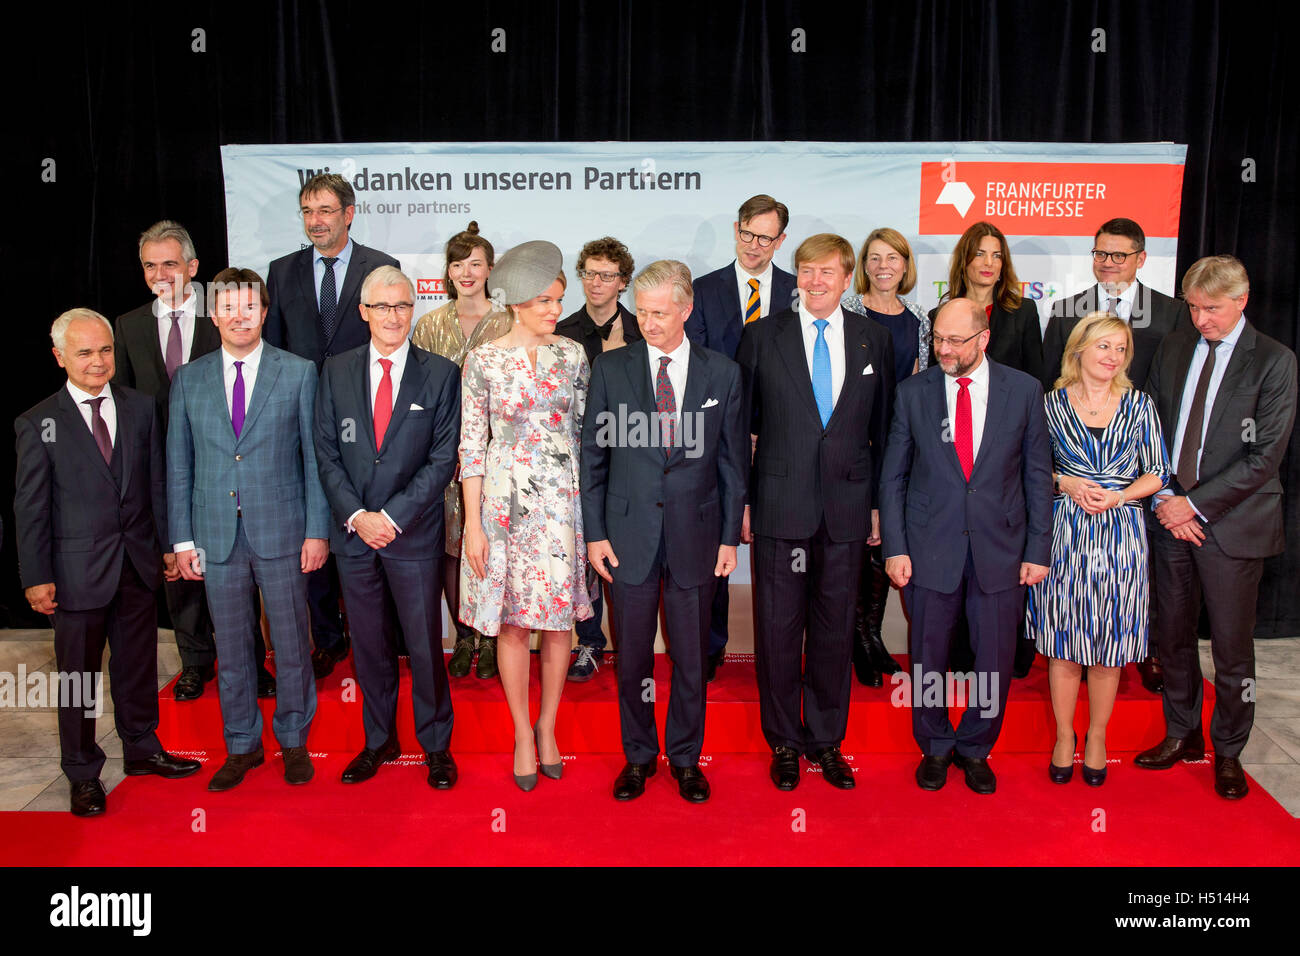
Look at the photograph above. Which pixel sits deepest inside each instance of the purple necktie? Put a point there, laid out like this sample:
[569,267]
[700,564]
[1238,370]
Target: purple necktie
[99,428]
[237,400]
[173,357]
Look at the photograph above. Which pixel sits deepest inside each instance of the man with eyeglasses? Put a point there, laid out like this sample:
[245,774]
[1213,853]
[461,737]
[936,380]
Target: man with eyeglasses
[1119,250]
[751,288]
[387,430]
[315,312]
[602,324]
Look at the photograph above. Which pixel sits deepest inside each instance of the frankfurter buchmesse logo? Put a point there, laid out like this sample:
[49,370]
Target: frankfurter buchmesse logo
[77,909]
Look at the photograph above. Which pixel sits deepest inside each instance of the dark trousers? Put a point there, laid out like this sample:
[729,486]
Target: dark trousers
[993,619]
[635,611]
[1231,587]
[589,631]
[373,586]
[805,585]
[323,599]
[718,617]
[129,625]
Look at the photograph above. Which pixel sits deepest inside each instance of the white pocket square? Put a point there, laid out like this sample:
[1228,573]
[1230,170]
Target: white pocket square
[415,408]
[710,403]
[868,371]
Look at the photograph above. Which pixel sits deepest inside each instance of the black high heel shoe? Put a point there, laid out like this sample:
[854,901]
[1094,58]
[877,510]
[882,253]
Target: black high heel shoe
[551,770]
[1093,778]
[1063,774]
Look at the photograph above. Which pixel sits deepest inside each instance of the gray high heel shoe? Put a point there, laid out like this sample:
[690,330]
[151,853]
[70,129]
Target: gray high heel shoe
[551,770]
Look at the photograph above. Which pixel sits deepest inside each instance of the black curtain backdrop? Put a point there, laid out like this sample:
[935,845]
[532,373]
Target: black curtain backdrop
[132,116]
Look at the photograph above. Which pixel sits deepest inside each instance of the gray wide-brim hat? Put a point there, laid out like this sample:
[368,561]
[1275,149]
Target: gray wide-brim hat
[525,272]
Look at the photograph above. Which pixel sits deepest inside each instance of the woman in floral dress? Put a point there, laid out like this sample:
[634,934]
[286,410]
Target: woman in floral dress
[524,561]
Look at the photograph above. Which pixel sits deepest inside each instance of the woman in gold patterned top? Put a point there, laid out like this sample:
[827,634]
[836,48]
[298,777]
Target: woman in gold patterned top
[452,330]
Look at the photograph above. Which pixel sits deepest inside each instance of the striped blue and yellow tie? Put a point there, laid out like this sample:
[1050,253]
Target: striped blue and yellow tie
[752,306]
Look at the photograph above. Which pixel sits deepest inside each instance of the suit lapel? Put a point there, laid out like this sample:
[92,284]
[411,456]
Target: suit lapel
[155,347]
[1243,356]
[789,343]
[937,400]
[697,384]
[413,378]
[267,372]
[638,375]
[120,444]
[206,338]
[995,411]
[306,276]
[73,424]
[358,266]
[857,356]
[359,379]
[1182,360]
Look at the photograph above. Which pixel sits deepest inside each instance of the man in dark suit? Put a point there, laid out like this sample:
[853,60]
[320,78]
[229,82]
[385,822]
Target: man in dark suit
[819,383]
[246,510]
[387,431]
[726,301]
[662,506]
[152,342]
[1119,250]
[602,323]
[90,505]
[966,518]
[315,298]
[1226,395]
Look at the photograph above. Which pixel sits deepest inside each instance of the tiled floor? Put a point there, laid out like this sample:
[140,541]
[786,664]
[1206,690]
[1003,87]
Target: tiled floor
[30,778]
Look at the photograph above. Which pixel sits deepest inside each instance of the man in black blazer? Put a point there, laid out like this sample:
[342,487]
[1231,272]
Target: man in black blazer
[151,343]
[1226,395]
[90,504]
[966,517]
[315,312]
[727,300]
[819,383]
[664,456]
[387,430]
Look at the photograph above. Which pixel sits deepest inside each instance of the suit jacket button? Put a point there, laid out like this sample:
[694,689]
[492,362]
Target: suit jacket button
[376,461]
[966,532]
[666,470]
[659,504]
[239,458]
[232,494]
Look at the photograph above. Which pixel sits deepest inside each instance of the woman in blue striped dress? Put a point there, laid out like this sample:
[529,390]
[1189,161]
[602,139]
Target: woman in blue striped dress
[1092,609]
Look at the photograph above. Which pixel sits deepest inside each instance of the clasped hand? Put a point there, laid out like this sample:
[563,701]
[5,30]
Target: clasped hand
[1090,496]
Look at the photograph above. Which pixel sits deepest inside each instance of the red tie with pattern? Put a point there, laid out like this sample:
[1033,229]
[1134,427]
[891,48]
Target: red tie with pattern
[666,403]
[383,403]
[962,432]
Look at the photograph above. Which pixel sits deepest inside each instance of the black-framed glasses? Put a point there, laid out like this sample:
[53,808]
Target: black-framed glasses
[381,309]
[1100,255]
[950,340]
[602,276]
[320,211]
[747,237]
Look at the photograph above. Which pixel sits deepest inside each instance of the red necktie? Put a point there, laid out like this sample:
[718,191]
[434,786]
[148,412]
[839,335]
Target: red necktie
[383,403]
[962,430]
[666,405]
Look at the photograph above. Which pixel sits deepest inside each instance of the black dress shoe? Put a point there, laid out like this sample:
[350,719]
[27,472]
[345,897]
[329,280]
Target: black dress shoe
[932,772]
[265,683]
[630,783]
[442,769]
[835,768]
[189,686]
[1093,778]
[365,764]
[979,775]
[1152,674]
[1171,750]
[1063,774]
[1026,654]
[323,661]
[785,768]
[163,764]
[1229,778]
[864,664]
[691,783]
[88,798]
[714,662]
[231,773]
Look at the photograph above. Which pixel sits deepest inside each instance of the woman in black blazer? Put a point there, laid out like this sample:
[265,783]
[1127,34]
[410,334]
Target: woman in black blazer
[981,270]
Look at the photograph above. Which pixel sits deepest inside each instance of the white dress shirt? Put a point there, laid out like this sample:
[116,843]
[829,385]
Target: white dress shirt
[340,270]
[834,343]
[979,403]
[1124,307]
[398,358]
[163,314]
[677,369]
[764,290]
[107,409]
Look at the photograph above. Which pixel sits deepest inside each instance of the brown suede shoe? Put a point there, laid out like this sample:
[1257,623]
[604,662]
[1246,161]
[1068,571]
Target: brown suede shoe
[297,765]
[233,770]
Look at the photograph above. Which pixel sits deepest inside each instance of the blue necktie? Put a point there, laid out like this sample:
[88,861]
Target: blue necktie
[821,377]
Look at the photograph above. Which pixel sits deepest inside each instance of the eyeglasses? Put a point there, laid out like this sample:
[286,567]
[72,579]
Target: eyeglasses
[747,237]
[602,276]
[321,211]
[1100,255]
[952,340]
[381,309]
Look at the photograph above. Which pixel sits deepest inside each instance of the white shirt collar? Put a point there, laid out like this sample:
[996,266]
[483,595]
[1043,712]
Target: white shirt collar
[398,357]
[1128,296]
[251,360]
[764,278]
[835,319]
[680,354]
[1231,338]
[79,396]
[979,376]
[164,312]
[343,256]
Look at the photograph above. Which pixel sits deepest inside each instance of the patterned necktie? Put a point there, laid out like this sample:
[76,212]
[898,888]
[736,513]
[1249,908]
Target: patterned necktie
[329,297]
[383,403]
[666,404]
[1112,306]
[99,428]
[173,357]
[963,431]
[821,377]
[237,400]
[1189,454]
[752,307]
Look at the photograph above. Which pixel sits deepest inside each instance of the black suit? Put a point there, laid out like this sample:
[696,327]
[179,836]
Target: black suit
[1240,497]
[140,365]
[665,517]
[1154,316]
[812,490]
[405,477]
[95,529]
[1015,338]
[293,323]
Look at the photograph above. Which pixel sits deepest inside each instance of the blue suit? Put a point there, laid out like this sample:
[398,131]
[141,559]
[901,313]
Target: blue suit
[248,503]
[405,477]
[966,539]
